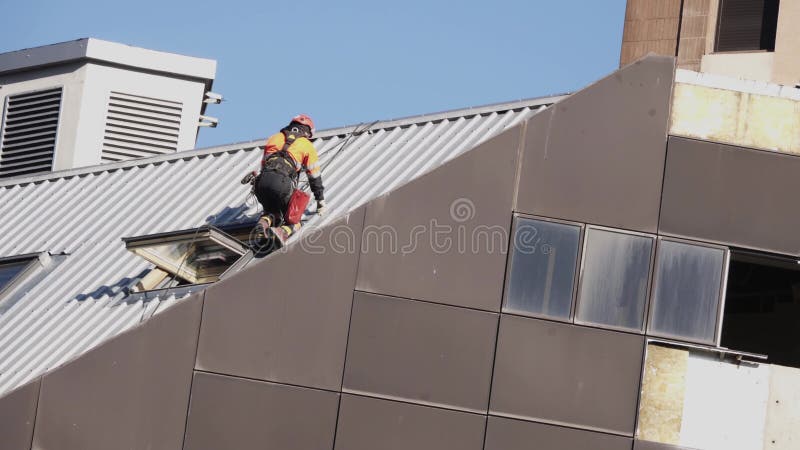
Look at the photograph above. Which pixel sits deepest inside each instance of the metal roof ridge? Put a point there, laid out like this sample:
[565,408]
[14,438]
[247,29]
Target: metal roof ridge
[246,145]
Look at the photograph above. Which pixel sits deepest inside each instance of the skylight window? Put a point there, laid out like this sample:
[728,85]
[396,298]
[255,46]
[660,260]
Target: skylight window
[15,270]
[196,256]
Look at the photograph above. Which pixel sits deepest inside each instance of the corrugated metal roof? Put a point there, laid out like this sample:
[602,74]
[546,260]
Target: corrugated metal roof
[84,213]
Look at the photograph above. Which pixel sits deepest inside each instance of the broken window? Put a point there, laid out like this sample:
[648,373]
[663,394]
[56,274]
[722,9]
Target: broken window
[614,278]
[195,256]
[762,307]
[747,25]
[687,287]
[542,268]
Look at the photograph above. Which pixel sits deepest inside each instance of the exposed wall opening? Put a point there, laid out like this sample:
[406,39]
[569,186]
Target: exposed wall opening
[745,25]
[762,308]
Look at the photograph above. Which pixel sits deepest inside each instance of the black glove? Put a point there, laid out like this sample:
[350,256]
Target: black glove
[249,178]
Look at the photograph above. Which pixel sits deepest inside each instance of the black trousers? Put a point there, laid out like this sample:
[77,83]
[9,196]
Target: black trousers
[273,191]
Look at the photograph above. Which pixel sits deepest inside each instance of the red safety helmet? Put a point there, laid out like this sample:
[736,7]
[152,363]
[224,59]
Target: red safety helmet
[304,120]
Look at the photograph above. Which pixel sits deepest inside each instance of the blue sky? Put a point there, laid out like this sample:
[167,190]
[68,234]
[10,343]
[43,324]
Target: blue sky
[345,62]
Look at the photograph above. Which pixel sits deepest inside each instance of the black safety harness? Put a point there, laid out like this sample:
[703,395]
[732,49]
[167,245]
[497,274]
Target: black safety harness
[281,162]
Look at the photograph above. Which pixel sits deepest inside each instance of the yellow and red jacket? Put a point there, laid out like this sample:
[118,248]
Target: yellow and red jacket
[302,152]
[304,158]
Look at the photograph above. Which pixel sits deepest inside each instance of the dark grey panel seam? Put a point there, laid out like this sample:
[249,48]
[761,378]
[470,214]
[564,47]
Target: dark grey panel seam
[527,215]
[411,402]
[560,425]
[349,325]
[579,325]
[430,302]
[36,410]
[279,383]
[346,347]
[641,380]
[194,365]
[731,146]
[523,133]
[497,331]
[663,183]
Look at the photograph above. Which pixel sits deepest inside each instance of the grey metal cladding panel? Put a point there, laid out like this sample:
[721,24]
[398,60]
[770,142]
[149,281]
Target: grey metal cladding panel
[17,414]
[599,156]
[130,392]
[420,351]
[732,195]
[472,195]
[511,434]
[567,374]
[285,319]
[234,413]
[646,445]
[375,424]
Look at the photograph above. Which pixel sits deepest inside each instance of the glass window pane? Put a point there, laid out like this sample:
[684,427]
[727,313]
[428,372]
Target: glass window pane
[543,263]
[614,280]
[687,290]
[9,271]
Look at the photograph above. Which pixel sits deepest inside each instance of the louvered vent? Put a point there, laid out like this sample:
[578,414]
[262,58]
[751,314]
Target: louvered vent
[137,127]
[747,25]
[29,132]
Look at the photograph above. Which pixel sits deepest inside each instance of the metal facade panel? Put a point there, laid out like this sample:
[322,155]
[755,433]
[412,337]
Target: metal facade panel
[603,144]
[82,302]
[375,424]
[234,413]
[512,434]
[437,223]
[564,373]
[420,352]
[731,195]
[132,392]
[17,414]
[647,445]
[286,321]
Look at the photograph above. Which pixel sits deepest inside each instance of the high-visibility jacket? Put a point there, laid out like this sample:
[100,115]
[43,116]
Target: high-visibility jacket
[302,151]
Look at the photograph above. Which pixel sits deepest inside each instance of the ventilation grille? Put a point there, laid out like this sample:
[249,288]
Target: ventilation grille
[138,127]
[29,133]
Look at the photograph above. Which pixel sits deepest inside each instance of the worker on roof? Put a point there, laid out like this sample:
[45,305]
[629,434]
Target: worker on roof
[286,154]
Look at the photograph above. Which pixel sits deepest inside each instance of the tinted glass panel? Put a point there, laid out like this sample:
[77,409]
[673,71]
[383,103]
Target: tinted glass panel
[687,288]
[543,265]
[614,279]
[9,271]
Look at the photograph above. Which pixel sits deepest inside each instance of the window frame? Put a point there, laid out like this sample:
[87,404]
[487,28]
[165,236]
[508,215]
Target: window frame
[138,245]
[648,289]
[35,262]
[723,286]
[510,261]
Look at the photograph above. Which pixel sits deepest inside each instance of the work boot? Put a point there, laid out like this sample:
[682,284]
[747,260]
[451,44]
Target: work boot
[282,233]
[265,221]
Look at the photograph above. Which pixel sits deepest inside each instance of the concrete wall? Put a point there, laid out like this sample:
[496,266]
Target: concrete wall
[688,29]
[650,26]
[748,65]
[698,400]
[786,69]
